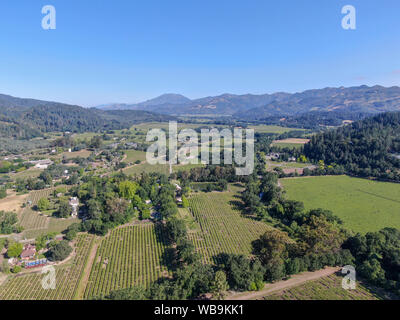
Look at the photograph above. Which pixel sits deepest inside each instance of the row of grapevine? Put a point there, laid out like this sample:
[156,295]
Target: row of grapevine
[68,276]
[222,228]
[31,220]
[128,256]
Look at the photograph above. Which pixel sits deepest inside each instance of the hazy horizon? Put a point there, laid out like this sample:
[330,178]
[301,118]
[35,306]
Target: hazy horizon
[129,52]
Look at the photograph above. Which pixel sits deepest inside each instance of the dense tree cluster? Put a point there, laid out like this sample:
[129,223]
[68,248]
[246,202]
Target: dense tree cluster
[211,173]
[109,202]
[8,223]
[367,148]
[59,251]
[377,256]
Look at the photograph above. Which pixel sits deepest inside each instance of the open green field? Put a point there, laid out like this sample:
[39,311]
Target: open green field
[68,278]
[128,256]
[186,167]
[146,167]
[76,154]
[286,165]
[30,173]
[328,288]
[221,227]
[272,129]
[363,205]
[134,155]
[288,145]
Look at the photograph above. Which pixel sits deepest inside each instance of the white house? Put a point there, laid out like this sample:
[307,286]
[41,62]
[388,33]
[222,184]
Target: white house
[74,203]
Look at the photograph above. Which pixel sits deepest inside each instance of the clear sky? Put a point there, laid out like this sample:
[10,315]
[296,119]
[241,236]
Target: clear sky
[128,50]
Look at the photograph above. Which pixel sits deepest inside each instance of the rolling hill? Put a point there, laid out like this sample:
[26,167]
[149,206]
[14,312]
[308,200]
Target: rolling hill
[29,118]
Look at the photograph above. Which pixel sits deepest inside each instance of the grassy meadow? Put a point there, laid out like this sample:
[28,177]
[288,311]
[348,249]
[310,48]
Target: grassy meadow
[363,205]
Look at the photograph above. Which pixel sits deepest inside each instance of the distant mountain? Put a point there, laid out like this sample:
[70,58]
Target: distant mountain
[361,99]
[169,98]
[165,99]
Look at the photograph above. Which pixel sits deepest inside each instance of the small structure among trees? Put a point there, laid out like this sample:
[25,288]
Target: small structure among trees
[74,203]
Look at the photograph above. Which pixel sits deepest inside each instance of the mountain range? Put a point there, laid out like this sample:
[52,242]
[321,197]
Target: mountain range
[27,118]
[362,99]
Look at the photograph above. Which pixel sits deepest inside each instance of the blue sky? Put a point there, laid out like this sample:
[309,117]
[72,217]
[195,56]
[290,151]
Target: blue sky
[127,51]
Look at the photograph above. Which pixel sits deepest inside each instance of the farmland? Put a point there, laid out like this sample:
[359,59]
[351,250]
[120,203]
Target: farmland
[134,155]
[272,129]
[68,276]
[147,168]
[363,205]
[132,255]
[35,224]
[222,229]
[290,143]
[76,154]
[328,288]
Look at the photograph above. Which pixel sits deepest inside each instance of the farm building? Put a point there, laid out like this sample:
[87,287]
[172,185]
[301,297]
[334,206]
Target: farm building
[28,252]
[42,164]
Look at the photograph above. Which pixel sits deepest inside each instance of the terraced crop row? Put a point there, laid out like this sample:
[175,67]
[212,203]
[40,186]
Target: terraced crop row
[68,276]
[328,288]
[128,256]
[222,227]
[35,196]
[31,220]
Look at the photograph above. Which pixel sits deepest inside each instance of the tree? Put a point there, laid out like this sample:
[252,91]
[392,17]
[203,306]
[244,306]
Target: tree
[72,231]
[16,269]
[7,223]
[127,189]
[43,204]
[117,209]
[46,177]
[185,202]
[321,235]
[186,253]
[3,193]
[64,209]
[219,285]
[134,293]
[14,250]
[241,271]
[176,230]
[59,251]
[95,142]
[372,270]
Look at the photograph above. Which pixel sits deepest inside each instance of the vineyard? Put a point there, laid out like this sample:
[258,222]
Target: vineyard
[328,288]
[128,256]
[31,220]
[34,223]
[29,286]
[222,228]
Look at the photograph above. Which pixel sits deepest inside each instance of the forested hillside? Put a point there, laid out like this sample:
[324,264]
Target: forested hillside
[28,118]
[368,147]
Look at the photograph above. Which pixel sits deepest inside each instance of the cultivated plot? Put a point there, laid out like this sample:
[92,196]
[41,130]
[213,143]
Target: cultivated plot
[363,205]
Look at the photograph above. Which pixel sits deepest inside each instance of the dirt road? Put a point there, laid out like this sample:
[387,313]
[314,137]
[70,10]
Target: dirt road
[296,280]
